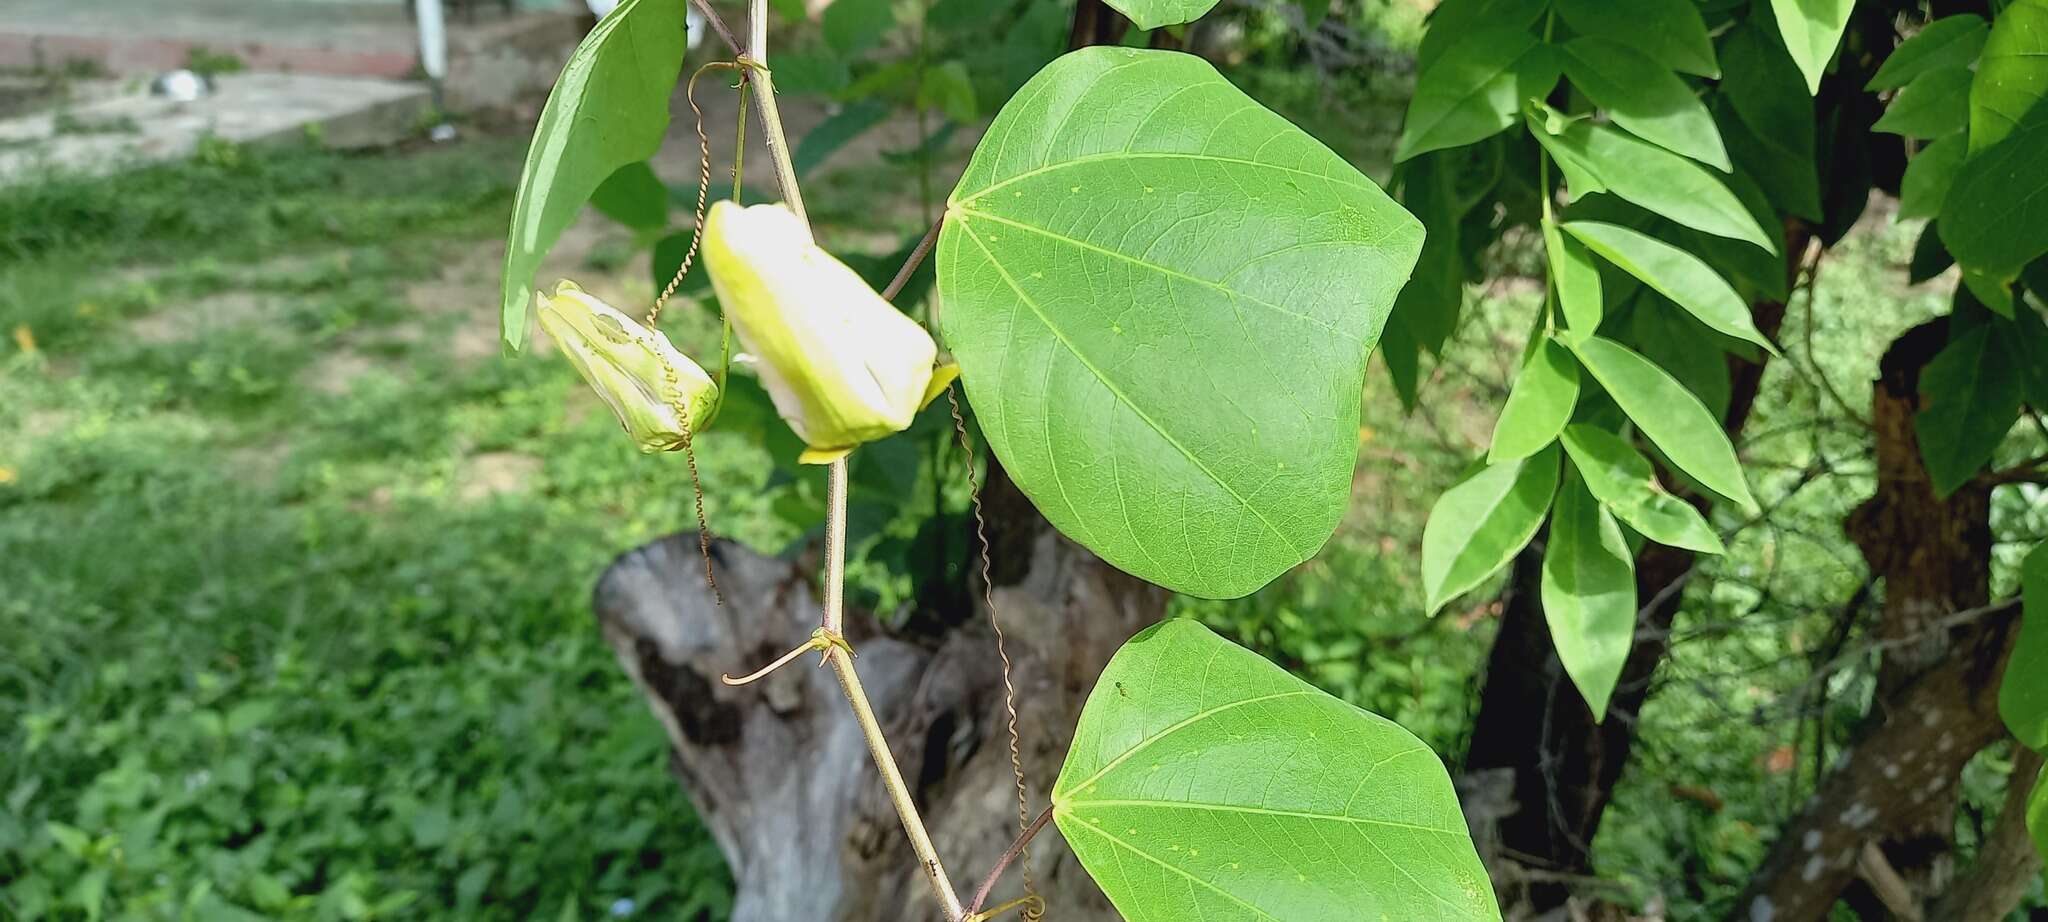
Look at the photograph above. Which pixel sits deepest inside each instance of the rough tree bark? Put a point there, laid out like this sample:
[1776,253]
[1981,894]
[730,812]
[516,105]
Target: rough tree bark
[2008,862]
[778,771]
[1883,820]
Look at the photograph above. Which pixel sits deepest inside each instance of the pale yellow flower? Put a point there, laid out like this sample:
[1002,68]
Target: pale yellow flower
[650,386]
[842,365]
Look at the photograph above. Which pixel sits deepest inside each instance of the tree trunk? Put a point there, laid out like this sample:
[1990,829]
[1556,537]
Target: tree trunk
[2006,865]
[1095,24]
[1886,814]
[778,770]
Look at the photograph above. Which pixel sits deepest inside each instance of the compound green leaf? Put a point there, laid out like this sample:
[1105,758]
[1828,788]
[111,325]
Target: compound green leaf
[1758,274]
[1951,41]
[2012,74]
[1452,20]
[851,27]
[1671,31]
[2029,341]
[1151,14]
[2035,277]
[1432,300]
[820,143]
[1164,330]
[1207,783]
[1970,395]
[1476,527]
[1672,340]
[609,108]
[949,88]
[1623,480]
[1929,175]
[1581,175]
[633,196]
[1643,173]
[1929,107]
[1995,218]
[1669,415]
[1577,281]
[1812,29]
[1589,594]
[1993,292]
[1643,95]
[818,70]
[1401,353]
[2023,696]
[1468,94]
[1930,256]
[2037,813]
[1539,404]
[1772,133]
[1676,274]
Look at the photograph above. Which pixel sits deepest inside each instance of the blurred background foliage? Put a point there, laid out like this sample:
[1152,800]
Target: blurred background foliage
[295,570]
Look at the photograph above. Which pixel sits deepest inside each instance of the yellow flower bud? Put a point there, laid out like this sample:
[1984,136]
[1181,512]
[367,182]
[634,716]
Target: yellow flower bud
[650,386]
[842,365]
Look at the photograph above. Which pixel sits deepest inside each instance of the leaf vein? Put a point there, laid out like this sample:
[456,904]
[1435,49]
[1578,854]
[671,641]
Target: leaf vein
[1119,394]
[1183,724]
[1090,803]
[1162,270]
[1148,856]
[1159,155]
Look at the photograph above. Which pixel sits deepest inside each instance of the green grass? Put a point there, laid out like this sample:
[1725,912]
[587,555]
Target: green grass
[303,566]
[271,648]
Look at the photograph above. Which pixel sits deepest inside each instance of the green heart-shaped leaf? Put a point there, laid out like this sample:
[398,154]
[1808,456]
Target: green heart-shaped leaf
[609,108]
[1207,783]
[1162,296]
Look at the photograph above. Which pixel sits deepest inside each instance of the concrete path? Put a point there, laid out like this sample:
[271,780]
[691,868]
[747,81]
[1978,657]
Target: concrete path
[491,53]
[341,70]
[126,37]
[136,127]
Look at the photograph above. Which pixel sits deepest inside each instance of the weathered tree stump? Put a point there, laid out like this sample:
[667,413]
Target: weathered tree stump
[778,770]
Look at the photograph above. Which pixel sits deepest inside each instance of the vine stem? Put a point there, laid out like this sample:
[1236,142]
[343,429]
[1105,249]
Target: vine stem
[777,145]
[717,23]
[835,548]
[988,884]
[892,780]
[916,258]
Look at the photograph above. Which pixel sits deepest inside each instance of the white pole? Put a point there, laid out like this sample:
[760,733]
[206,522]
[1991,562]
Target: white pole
[434,59]
[433,38]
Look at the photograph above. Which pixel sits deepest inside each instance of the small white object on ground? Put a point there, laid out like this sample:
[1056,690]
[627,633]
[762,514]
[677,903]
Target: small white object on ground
[181,86]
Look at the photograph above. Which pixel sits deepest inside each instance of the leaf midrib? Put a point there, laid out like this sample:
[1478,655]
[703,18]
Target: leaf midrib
[1117,392]
[1073,807]
[1176,727]
[1174,273]
[1148,856]
[1483,518]
[1477,91]
[1151,155]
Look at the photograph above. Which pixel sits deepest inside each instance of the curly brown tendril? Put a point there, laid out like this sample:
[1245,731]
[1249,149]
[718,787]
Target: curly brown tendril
[1032,907]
